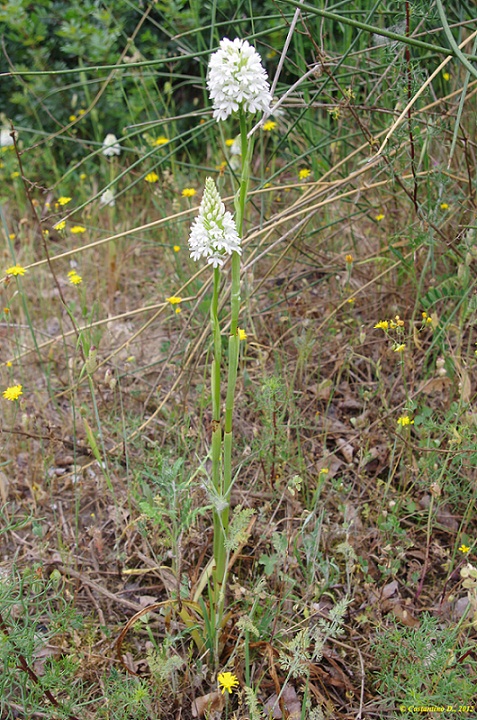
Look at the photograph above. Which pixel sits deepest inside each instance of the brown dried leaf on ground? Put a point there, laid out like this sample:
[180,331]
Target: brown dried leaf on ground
[212,704]
[291,704]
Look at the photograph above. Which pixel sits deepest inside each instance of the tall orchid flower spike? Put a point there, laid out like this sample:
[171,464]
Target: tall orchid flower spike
[237,79]
[213,234]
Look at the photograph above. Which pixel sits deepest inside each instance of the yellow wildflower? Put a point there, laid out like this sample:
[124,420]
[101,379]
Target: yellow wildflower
[324,471]
[382,325]
[227,681]
[173,300]
[444,206]
[464,549]
[15,270]
[379,217]
[178,310]
[83,176]
[12,236]
[9,363]
[63,200]
[188,192]
[176,248]
[405,420]
[151,177]
[242,334]
[72,118]
[77,229]
[399,348]
[269,125]
[14,174]
[446,76]
[60,225]
[162,140]
[13,392]
[229,142]
[348,259]
[74,278]
[304,174]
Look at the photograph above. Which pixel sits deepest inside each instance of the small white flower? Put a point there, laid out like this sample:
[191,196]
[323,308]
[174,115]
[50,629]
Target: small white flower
[236,154]
[6,139]
[237,78]
[111,146]
[236,147]
[107,199]
[213,234]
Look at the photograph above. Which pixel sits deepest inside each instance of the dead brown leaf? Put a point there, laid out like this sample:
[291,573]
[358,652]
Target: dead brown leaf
[291,703]
[212,703]
[405,616]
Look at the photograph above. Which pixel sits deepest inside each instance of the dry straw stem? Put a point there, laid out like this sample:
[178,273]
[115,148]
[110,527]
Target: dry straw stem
[413,100]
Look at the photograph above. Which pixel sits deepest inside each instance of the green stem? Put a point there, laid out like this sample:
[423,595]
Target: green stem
[214,320]
[219,548]
[224,486]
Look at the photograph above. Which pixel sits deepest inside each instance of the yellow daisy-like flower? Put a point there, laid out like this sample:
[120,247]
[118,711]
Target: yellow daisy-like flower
[60,225]
[74,278]
[304,174]
[229,142]
[227,681]
[14,174]
[324,471]
[173,300]
[446,76]
[9,363]
[77,229]
[178,310]
[242,334]
[382,325]
[15,270]
[349,259]
[176,248]
[269,125]
[162,140]
[379,217]
[405,420]
[12,236]
[72,118]
[13,392]
[63,200]
[464,549]
[83,176]
[444,206]
[151,177]
[399,348]
[188,192]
